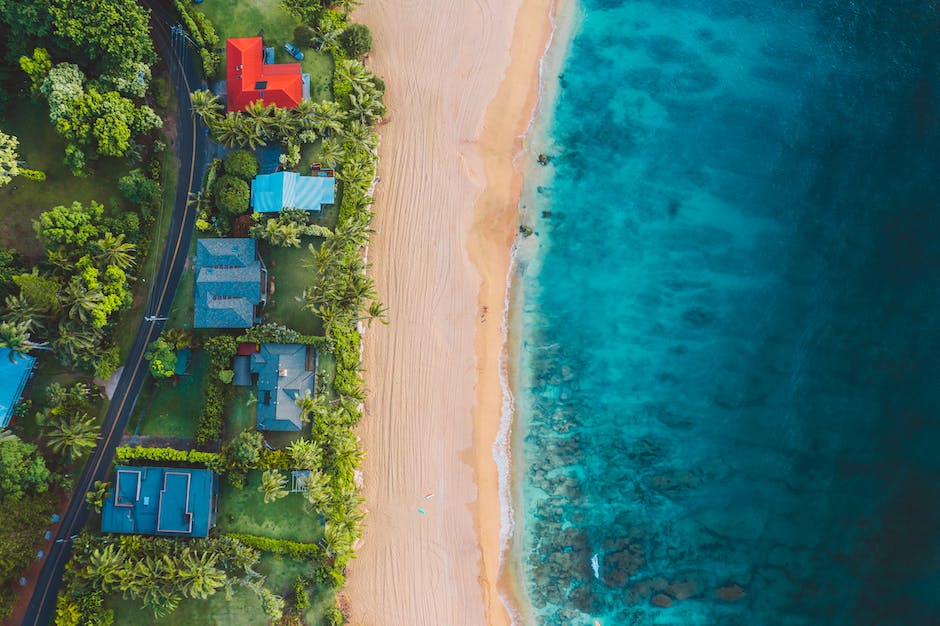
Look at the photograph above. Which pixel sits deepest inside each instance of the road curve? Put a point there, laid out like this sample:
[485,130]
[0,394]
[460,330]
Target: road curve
[191,146]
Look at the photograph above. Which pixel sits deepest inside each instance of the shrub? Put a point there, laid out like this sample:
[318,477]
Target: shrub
[231,195]
[108,363]
[296,550]
[125,455]
[162,358]
[209,428]
[356,40]
[241,164]
[221,350]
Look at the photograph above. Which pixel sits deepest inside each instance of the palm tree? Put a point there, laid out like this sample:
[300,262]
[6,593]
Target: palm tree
[206,105]
[199,577]
[365,104]
[19,310]
[305,454]
[356,72]
[260,117]
[318,490]
[284,123]
[331,151]
[376,311]
[105,567]
[72,436]
[76,343]
[16,337]
[61,261]
[282,234]
[81,301]
[272,485]
[327,117]
[113,250]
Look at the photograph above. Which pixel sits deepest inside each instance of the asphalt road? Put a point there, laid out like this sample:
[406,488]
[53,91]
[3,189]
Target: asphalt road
[191,145]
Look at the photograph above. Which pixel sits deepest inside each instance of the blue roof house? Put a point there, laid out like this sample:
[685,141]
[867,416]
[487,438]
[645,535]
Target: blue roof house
[285,373]
[230,283]
[272,193]
[162,501]
[15,370]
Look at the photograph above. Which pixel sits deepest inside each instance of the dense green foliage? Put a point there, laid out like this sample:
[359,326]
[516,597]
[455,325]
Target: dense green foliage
[23,526]
[356,40]
[156,571]
[272,332]
[287,228]
[67,420]
[231,195]
[291,549]
[241,164]
[22,471]
[221,350]
[138,454]
[162,359]
[203,33]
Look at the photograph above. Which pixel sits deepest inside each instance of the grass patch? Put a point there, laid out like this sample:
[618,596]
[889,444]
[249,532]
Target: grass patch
[240,413]
[172,410]
[291,273]
[246,18]
[244,511]
[243,609]
[43,149]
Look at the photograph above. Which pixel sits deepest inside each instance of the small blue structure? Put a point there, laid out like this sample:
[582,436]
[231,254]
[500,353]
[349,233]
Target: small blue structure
[272,193]
[285,373]
[230,283]
[161,501]
[15,370]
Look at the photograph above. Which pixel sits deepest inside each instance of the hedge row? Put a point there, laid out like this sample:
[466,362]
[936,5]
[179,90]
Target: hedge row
[126,454]
[311,552]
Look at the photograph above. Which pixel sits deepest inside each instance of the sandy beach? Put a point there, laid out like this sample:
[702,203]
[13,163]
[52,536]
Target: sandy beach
[462,83]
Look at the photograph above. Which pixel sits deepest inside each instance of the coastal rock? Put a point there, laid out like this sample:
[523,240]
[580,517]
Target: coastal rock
[684,589]
[732,592]
[661,600]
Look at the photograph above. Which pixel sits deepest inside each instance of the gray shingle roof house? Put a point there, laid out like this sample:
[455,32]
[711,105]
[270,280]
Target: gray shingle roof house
[285,373]
[230,283]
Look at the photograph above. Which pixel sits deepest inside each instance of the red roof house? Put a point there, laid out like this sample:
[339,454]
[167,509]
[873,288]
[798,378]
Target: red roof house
[250,79]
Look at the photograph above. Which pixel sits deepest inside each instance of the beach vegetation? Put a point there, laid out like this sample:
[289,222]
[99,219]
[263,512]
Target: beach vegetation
[356,40]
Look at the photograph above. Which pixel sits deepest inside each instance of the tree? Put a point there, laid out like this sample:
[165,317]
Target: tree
[96,497]
[304,36]
[40,291]
[109,32]
[62,85]
[76,344]
[231,195]
[356,40]
[9,159]
[206,105]
[139,189]
[241,164]
[331,151]
[305,454]
[272,485]
[221,350]
[318,490]
[71,226]
[72,436]
[16,338]
[22,470]
[199,576]
[107,565]
[162,358]
[113,250]
[244,451]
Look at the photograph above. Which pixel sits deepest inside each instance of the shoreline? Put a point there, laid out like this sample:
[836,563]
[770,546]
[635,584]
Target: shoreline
[492,248]
[446,219]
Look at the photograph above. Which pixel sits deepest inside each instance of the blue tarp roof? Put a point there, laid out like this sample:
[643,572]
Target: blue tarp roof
[229,283]
[14,373]
[161,501]
[282,378]
[271,193]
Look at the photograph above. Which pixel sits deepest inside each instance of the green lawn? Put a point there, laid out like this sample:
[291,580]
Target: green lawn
[245,18]
[42,149]
[244,511]
[244,609]
[290,271]
[172,409]
[240,414]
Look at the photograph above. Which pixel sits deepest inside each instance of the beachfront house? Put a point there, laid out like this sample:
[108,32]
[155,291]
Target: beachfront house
[272,193]
[231,283]
[15,370]
[163,501]
[252,75]
[285,372]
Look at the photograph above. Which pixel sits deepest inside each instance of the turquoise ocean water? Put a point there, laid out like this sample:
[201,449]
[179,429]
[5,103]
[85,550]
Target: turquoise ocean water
[729,379]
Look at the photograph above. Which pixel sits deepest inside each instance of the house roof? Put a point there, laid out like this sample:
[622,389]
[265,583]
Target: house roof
[161,501]
[14,374]
[248,78]
[282,378]
[271,193]
[230,281]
